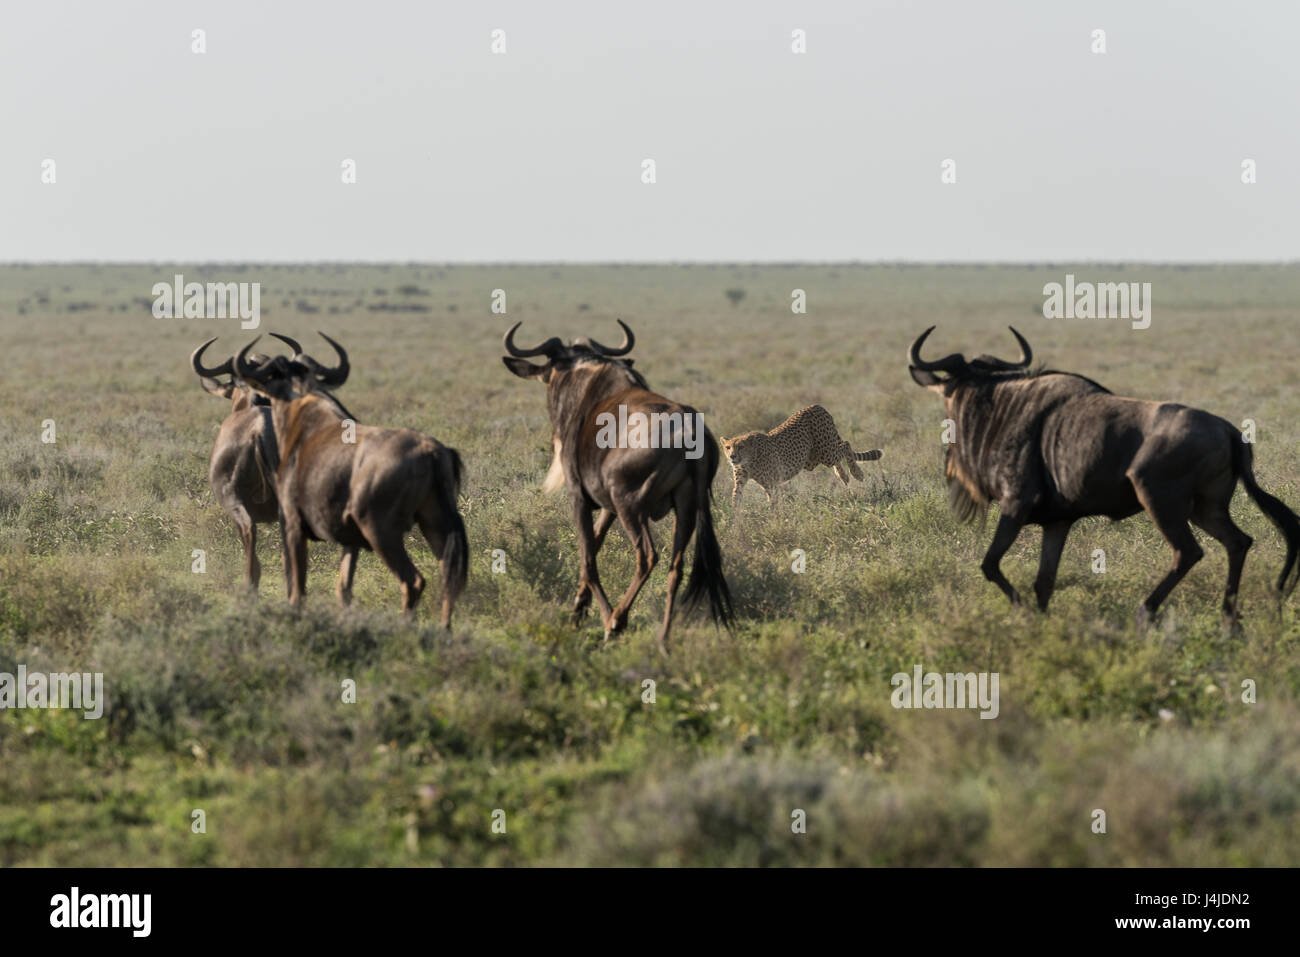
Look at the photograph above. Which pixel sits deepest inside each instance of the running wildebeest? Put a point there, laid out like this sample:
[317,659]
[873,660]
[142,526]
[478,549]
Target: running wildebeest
[1052,447]
[588,384]
[244,458]
[357,485]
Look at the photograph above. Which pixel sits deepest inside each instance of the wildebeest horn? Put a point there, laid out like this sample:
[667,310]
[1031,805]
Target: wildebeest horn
[339,374]
[628,341]
[1026,355]
[196,361]
[946,364]
[291,343]
[245,369]
[548,347]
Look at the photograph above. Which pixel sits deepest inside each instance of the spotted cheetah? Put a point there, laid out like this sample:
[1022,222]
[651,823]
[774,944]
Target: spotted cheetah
[802,442]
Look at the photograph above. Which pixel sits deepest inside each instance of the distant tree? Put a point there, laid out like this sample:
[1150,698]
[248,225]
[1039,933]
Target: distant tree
[735,295]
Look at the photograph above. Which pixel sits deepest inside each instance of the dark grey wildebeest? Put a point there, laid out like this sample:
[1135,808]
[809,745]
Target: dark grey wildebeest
[1052,447]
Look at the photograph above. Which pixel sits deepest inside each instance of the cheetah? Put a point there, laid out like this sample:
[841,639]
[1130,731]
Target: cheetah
[802,442]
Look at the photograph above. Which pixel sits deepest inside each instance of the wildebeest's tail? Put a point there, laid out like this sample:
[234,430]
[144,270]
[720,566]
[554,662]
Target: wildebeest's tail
[455,548]
[1287,522]
[706,571]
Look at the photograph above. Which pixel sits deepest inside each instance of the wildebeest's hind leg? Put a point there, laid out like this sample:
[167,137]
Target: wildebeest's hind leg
[1214,519]
[387,543]
[683,529]
[1169,506]
[636,522]
[1054,535]
[439,535]
[347,568]
[1003,538]
[580,604]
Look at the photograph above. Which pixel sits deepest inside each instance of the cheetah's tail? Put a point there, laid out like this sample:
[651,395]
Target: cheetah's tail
[867,456]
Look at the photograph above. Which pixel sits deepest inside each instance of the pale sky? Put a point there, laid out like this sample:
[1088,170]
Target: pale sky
[760,153]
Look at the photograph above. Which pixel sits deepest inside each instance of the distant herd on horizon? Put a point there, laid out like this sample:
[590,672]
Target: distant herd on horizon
[1047,447]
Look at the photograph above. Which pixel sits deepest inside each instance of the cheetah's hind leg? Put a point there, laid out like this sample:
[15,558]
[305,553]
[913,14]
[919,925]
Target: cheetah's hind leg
[853,465]
[844,476]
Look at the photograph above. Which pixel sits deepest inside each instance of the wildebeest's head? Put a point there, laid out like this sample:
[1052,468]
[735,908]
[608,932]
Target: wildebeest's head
[956,370]
[561,358]
[965,387]
[286,379]
[209,377]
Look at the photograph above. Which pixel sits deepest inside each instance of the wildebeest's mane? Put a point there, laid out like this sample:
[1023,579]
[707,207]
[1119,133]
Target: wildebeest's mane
[975,370]
[609,362]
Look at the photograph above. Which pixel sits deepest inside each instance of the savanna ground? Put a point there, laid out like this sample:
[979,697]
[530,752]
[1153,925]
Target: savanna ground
[232,705]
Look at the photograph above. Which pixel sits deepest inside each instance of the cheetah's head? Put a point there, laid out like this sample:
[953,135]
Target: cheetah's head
[741,449]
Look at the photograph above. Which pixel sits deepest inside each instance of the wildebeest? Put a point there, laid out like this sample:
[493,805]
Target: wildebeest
[1052,447]
[244,458]
[588,384]
[357,485]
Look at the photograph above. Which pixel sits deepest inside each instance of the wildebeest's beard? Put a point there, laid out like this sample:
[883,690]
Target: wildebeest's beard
[965,500]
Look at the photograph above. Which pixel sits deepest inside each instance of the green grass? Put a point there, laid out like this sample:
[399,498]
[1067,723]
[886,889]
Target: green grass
[234,706]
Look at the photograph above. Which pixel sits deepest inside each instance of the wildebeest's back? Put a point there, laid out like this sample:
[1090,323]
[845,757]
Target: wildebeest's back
[1092,444]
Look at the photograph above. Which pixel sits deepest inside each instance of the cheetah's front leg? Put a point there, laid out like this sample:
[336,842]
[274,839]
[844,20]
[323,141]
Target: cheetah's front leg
[739,479]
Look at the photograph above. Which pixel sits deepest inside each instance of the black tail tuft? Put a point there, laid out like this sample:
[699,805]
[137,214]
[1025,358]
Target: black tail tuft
[455,548]
[706,571]
[1287,522]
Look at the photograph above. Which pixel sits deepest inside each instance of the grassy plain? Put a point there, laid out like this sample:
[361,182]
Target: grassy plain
[233,706]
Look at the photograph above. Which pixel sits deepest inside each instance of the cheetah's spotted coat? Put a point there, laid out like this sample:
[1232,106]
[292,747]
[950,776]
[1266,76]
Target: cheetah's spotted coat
[801,443]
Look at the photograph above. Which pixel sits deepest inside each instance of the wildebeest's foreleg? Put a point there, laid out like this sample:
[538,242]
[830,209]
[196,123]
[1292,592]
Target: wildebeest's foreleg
[588,576]
[1003,538]
[248,536]
[347,568]
[1054,535]
[295,557]
[603,521]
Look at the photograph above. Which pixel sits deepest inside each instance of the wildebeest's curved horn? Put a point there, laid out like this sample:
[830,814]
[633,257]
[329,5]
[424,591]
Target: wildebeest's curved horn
[549,347]
[339,374]
[196,361]
[245,369]
[291,343]
[629,340]
[1026,355]
[946,364]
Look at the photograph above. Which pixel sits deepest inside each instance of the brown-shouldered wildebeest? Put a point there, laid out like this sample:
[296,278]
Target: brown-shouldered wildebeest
[589,388]
[357,485]
[244,457]
[1052,447]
